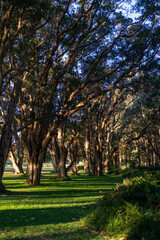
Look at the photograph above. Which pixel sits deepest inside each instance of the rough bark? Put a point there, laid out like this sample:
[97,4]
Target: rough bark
[36,151]
[4,149]
[86,165]
[116,160]
[61,151]
[99,154]
[108,164]
[16,155]
[53,155]
[87,150]
[35,164]
[17,167]
[62,166]
[108,160]
[54,162]
[6,133]
[73,158]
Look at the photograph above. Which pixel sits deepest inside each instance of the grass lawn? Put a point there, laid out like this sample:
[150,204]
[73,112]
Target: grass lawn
[52,210]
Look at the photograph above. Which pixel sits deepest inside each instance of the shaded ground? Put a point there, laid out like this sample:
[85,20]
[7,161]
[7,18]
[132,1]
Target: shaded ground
[52,210]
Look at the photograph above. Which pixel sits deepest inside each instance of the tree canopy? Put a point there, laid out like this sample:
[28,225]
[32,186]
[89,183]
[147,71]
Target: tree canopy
[74,61]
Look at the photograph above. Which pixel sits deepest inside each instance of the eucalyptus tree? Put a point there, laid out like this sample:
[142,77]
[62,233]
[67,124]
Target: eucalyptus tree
[139,139]
[18,22]
[84,44]
[147,110]
[64,146]
[16,153]
[104,130]
[123,126]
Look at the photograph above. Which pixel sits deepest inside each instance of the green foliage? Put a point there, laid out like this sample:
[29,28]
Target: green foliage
[119,171]
[147,228]
[80,168]
[132,208]
[150,171]
[138,188]
[48,157]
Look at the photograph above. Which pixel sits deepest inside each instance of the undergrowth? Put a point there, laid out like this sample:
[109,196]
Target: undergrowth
[130,210]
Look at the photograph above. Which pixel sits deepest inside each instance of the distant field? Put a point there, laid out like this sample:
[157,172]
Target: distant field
[47,167]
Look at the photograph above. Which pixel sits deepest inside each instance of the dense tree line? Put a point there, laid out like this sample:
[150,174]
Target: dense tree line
[74,80]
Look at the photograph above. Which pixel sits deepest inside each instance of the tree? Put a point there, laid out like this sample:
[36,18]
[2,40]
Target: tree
[16,153]
[85,44]
[69,68]
[18,21]
[140,117]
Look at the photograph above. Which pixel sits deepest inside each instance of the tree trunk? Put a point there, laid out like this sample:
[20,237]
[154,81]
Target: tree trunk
[62,166]
[4,149]
[74,169]
[91,162]
[35,163]
[61,151]
[34,172]
[116,160]
[19,152]
[108,164]
[73,158]
[54,161]
[34,136]
[86,165]
[98,155]
[16,162]
[6,133]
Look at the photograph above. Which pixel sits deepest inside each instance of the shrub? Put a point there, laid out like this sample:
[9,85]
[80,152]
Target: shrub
[147,228]
[132,208]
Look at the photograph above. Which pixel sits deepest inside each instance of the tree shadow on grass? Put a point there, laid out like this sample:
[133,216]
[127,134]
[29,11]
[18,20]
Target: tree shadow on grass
[58,193]
[78,234]
[59,187]
[40,216]
[81,178]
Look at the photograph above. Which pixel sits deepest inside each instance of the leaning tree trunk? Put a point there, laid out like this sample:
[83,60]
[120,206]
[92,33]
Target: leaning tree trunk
[19,151]
[17,161]
[4,149]
[6,133]
[12,158]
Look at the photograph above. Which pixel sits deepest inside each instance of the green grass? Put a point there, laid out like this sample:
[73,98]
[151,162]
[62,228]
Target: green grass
[53,210]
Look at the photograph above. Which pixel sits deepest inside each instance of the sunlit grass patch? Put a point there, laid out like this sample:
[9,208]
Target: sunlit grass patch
[52,210]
